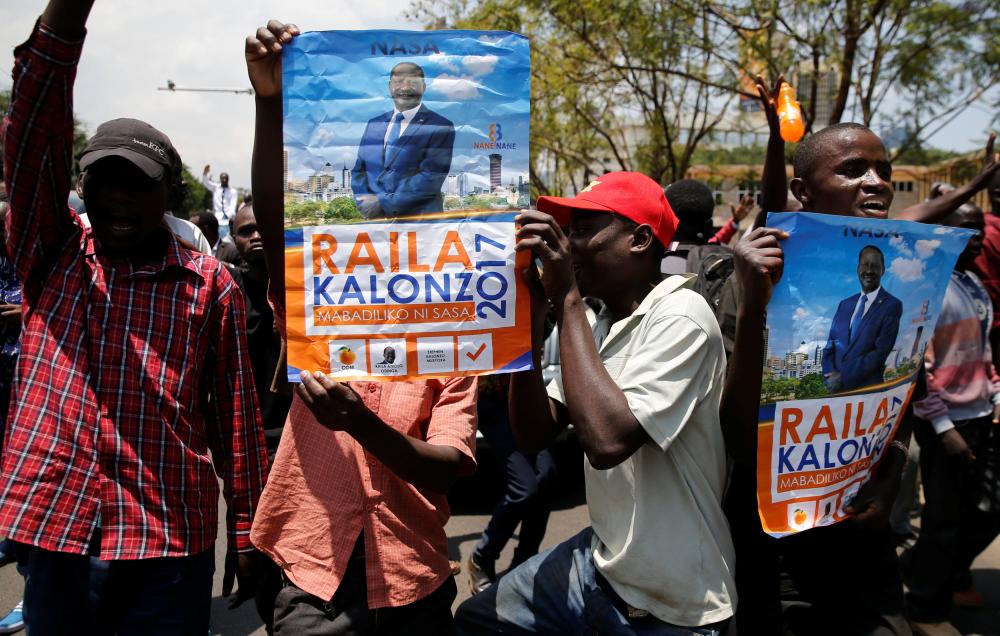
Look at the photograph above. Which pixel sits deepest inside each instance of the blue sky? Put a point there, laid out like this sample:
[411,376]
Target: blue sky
[334,85]
[821,270]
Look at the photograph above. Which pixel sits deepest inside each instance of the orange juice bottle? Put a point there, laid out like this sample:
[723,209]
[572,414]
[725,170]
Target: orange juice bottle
[789,114]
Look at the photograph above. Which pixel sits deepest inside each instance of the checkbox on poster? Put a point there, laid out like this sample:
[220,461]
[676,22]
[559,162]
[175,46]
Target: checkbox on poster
[475,352]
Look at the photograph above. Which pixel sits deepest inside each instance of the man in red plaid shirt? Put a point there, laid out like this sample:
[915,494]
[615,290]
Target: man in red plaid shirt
[133,367]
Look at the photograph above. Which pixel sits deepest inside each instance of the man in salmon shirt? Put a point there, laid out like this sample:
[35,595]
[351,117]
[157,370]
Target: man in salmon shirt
[354,508]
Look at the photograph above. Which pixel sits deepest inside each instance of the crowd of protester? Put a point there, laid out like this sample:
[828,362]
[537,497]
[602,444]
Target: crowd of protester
[142,359]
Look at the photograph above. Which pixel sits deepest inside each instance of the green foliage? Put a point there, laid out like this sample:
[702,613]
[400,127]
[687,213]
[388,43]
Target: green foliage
[643,84]
[907,368]
[195,195]
[810,386]
[804,388]
[338,210]
[775,389]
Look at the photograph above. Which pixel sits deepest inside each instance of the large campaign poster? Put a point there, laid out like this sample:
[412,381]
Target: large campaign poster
[406,158]
[847,326]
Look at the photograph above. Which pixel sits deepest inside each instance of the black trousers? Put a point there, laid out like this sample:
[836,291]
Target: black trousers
[298,613]
[528,491]
[839,580]
[953,530]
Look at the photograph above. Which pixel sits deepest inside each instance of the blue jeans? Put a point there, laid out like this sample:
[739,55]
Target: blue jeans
[557,592]
[82,594]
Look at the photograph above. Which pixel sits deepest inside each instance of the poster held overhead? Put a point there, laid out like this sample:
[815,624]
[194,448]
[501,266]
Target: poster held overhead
[406,158]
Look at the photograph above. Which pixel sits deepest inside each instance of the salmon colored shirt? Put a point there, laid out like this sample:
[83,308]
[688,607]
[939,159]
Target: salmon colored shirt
[324,489]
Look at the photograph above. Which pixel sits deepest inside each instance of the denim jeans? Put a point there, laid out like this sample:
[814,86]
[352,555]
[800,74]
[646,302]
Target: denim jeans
[82,594]
[557,592]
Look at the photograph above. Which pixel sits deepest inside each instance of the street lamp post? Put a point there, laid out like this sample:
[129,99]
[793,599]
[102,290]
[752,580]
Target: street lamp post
[173,88]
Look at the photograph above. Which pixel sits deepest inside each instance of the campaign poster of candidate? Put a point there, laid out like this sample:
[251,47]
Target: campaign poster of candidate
[847,326]
[406,158]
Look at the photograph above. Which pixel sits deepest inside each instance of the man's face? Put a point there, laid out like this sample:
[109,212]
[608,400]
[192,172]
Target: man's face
[389,354]
[851,177]
[406,86]
[224,179]
[124,205]
[870,270]
[600,245]
[211,232]
[247,238]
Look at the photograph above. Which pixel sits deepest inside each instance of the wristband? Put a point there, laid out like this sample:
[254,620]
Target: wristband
[901,446]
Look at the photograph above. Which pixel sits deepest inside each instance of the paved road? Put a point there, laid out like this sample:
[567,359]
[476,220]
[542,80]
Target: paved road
[471,506]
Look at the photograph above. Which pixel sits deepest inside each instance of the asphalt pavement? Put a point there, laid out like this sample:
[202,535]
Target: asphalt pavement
[472,501]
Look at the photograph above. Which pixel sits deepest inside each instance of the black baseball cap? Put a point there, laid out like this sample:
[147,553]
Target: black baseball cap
[137,141]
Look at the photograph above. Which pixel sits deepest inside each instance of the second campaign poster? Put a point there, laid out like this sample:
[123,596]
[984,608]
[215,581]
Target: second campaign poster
[847,327]
[406,159]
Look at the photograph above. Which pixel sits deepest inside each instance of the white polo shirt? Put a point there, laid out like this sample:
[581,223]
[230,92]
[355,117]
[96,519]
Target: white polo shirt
[660,537]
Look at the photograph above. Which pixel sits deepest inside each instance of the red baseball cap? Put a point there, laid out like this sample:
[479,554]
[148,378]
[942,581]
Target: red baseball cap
[630,194]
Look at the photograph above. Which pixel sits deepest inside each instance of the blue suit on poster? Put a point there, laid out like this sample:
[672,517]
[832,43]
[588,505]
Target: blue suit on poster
[864,329]
[405,176]
[860,358]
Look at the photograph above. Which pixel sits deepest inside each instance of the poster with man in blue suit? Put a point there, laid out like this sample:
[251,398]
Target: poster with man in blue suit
[847,327]
[864,329]
[383,125]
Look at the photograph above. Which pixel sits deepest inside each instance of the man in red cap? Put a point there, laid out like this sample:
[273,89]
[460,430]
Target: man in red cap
[642,388]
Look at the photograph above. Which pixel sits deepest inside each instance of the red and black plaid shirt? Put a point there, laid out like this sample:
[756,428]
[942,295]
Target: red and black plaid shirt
[112,421]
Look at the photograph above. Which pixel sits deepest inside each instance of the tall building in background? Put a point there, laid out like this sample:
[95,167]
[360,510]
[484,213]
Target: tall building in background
[316,184]
[495,160]
[345,178]
[827,82]
[284,156]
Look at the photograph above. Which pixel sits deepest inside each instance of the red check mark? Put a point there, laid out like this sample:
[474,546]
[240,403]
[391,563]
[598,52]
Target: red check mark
[479,351]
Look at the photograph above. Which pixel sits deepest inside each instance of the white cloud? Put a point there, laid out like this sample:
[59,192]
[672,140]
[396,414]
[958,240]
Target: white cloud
[455,88]
[444,61]
[907,270]
[925,248]
[901,247]
[800,313]
[480,65]
[941,230]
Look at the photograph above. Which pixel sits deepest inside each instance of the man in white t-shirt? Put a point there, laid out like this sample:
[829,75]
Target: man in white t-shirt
[642,388]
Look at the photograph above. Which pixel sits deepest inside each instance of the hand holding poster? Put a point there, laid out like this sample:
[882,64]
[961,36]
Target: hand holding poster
[847,326]
[405,156]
